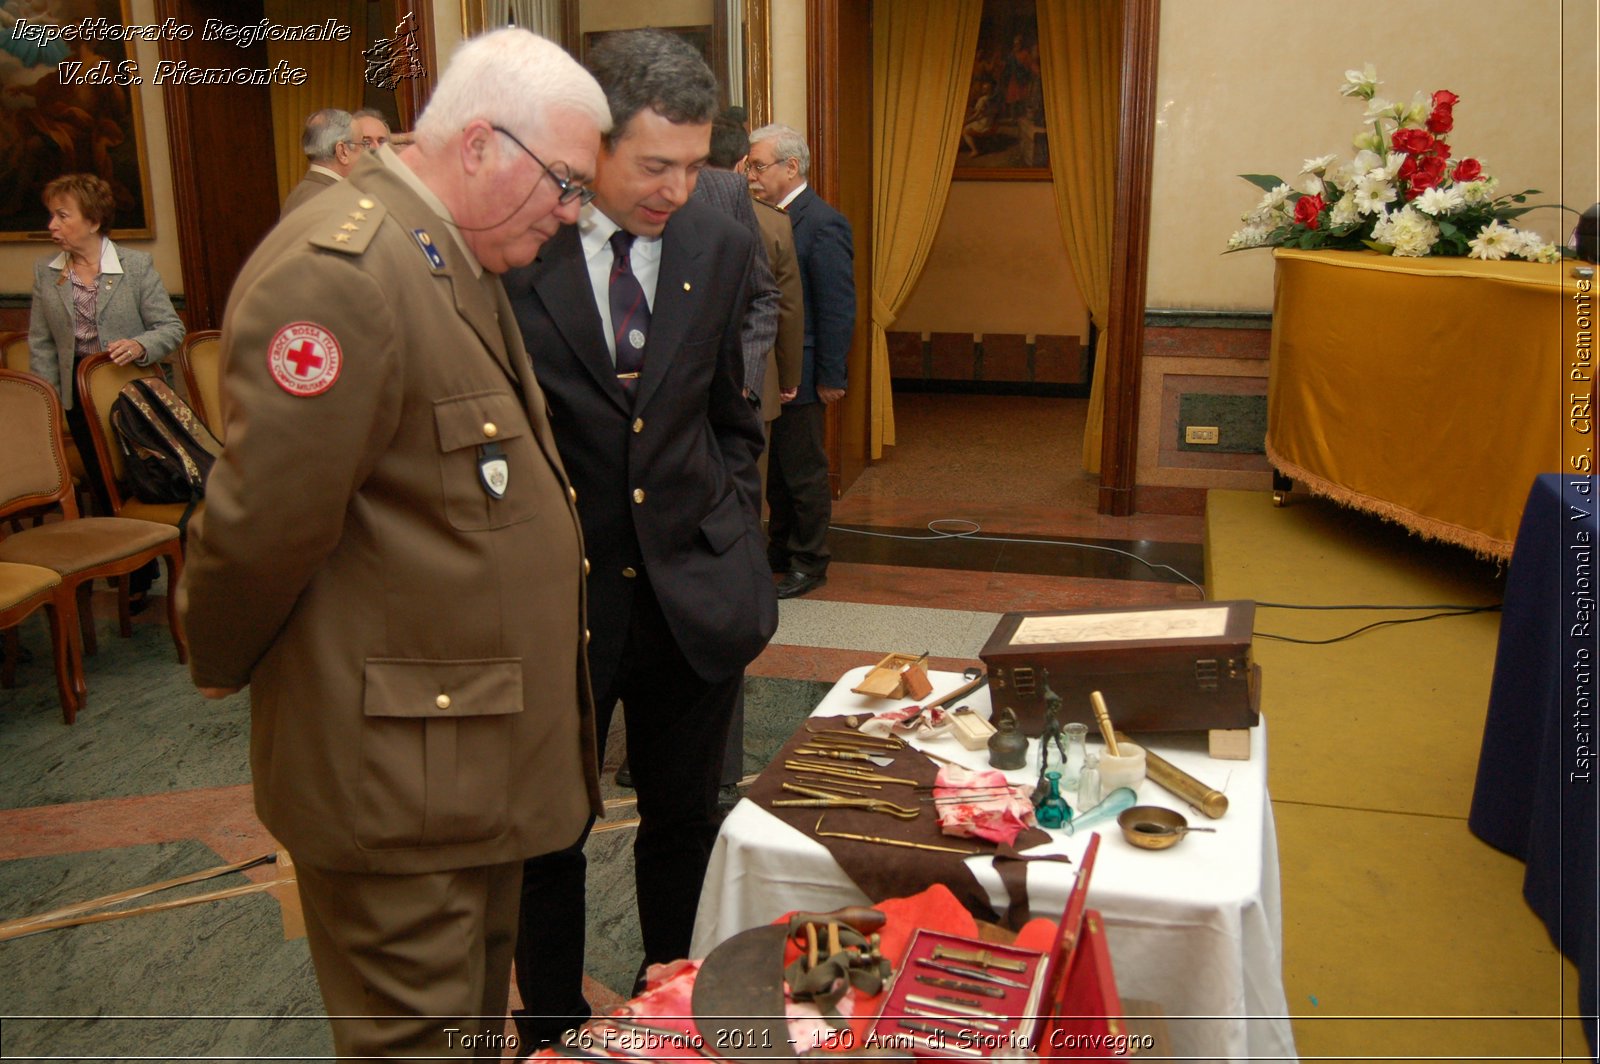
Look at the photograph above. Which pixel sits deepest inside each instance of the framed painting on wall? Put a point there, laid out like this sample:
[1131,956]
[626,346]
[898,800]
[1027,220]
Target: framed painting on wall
[70,107]
[1003,134]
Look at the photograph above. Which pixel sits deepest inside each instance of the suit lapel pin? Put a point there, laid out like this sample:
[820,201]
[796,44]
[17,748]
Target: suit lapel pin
[687,287]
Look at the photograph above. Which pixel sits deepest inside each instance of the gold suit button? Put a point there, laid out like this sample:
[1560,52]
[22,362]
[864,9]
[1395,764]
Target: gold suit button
[638,495]
[443,701]
[638,424]
[586,567]
[572,493]
[365,204]
[490,429]
[629,571]
[586,637]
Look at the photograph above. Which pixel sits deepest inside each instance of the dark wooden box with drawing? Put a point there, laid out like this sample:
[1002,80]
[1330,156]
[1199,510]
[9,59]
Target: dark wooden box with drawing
[1184,667]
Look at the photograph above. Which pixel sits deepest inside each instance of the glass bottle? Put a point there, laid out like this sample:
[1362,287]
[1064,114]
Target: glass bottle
[1073,765]
[1089,783]
[1053,812]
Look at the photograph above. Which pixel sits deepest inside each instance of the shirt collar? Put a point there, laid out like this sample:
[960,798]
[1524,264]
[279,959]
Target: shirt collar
[109,263]
[320,169]
[595,228]
[783,204]
[389,159]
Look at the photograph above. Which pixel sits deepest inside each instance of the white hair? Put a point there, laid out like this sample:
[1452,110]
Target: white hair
[787,143]
[513,78]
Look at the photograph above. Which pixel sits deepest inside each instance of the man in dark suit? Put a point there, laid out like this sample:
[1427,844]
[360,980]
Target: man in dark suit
[634,318]
[797,478]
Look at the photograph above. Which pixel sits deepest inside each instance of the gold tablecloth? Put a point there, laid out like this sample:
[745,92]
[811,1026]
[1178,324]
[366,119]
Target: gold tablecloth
[1428,391]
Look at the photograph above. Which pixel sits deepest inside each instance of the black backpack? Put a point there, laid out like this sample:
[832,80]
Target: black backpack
[166,451]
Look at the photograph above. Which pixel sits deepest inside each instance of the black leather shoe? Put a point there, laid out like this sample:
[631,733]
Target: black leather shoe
[624,776]
[796,584]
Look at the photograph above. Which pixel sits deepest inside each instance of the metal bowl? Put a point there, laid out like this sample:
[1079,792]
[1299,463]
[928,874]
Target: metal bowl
[1152,827]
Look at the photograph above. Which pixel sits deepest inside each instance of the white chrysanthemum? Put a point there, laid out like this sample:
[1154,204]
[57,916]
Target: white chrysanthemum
[1345,212]
[1275,199]
[1372,193]
[1317,165]
[1437,201]
[1312,186]
[1378,107]
[1526,244]
[1493,242]
[1411,234]
[1363,82]
[1251,236]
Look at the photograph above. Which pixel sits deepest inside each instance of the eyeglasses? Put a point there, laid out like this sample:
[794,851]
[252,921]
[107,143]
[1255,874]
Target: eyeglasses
[570,189]
[759,168]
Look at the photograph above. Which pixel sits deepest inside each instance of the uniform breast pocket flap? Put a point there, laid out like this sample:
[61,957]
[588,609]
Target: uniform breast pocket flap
[487,460]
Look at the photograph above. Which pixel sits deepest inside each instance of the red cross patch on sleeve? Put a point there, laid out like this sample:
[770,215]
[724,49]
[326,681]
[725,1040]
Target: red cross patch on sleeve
[304,358]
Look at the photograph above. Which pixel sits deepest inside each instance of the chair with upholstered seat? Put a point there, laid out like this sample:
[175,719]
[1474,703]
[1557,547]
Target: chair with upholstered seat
[24,590]
[200,358]
[77,548]
[14,355]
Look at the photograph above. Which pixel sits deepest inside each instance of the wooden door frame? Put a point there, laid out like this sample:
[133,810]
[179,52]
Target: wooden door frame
[1130,238]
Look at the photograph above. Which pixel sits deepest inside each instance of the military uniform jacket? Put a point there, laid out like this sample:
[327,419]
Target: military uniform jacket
[667,484]
[413,644]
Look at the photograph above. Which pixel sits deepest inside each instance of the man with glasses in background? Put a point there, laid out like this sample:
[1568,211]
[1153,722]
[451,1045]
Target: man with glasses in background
[391,557]
[370,128]
[634,320]
[332,148]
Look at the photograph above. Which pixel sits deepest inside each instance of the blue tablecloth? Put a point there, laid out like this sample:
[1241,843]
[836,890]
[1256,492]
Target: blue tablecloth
[1538,783]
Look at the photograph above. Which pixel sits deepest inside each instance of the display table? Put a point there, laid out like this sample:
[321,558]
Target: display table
[1197,928]
[1427,391]
[1536,794]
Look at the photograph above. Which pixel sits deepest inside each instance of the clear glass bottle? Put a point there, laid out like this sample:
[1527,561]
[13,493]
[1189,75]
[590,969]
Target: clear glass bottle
[1074,734]
[1089,783]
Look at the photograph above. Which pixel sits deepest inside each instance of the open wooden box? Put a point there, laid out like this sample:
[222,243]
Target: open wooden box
[897,676]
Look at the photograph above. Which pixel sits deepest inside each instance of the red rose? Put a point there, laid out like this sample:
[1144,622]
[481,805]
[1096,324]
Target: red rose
[1420,182]
[1441,120]
[1408,166]
[1411,141]
[1468,170]
[1306,210]
[1441,149]
[1433,167]
[1446,99]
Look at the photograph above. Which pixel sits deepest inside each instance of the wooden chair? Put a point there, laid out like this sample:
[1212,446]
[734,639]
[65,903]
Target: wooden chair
[99,381]
[25,589]
[79,549]
[14,351]
[14,354]
[200,358]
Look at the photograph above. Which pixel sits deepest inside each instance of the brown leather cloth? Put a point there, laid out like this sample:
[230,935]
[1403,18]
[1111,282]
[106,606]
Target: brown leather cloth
[891,871]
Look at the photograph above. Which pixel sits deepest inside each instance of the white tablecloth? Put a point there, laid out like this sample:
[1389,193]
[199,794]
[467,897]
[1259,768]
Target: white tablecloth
[1196,928]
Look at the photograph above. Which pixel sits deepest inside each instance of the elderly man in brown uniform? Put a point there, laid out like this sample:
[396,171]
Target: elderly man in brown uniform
[391,556]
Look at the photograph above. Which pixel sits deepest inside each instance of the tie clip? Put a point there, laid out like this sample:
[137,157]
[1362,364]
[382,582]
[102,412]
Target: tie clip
[627,376]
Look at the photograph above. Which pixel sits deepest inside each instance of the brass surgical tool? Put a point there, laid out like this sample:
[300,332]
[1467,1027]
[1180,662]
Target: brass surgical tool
[816,799]
[840,754]
[954,1021]
[949,1008]
[844,737]
[881,841]
[795,765]
[981,957]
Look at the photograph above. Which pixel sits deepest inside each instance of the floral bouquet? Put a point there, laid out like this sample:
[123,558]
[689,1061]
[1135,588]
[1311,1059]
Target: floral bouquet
[1400,195]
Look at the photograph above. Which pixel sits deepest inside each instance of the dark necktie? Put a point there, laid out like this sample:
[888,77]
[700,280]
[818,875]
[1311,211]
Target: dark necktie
[630,314]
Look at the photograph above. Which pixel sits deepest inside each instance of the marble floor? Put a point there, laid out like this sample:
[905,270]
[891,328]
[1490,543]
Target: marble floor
[152,782]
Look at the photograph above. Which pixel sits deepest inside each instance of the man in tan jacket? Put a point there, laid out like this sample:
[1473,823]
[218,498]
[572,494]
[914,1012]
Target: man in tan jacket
[391,557]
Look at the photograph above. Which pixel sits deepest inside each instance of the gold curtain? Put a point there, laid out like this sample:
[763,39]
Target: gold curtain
[333,75]
[922,67]
[1080,67]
